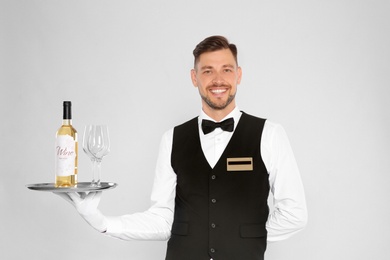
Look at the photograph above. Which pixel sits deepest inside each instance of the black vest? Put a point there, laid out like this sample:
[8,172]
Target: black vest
[219,214]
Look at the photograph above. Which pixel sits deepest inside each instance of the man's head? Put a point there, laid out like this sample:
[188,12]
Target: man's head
[216,75]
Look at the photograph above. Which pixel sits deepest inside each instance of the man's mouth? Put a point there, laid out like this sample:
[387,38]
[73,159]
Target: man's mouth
[218,90]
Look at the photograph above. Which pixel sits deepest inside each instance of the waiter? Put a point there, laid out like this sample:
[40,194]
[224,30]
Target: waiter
[213,176]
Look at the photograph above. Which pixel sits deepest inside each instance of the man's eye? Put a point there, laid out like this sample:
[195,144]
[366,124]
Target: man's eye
[207,72]
[228,70]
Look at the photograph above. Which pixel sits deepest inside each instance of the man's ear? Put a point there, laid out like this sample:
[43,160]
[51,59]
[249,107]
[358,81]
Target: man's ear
[193,78]
[239,75]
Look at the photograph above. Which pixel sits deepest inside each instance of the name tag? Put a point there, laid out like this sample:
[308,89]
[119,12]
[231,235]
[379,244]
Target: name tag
[240,164]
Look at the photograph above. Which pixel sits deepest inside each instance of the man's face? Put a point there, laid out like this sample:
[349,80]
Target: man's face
[216,75]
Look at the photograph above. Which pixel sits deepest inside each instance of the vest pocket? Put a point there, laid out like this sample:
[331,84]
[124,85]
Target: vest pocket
[253,231]
[180,229]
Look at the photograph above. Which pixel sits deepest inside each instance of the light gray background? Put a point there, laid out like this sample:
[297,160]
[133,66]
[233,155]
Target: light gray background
[320,68]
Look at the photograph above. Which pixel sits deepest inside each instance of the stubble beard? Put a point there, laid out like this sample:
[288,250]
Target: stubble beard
[218,106]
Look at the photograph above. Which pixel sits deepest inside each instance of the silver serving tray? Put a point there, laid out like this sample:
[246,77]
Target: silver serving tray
[81,187]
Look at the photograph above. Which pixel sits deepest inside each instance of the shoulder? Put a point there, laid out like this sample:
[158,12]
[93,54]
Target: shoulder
[252,117]
[189,123]
[274,136]
[272,127]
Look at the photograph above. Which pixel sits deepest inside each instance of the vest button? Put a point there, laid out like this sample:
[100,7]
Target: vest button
[214,201]
[213,177]
[213,225]
[212,250]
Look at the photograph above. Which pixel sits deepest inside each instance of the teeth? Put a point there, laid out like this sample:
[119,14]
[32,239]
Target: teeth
[218,90]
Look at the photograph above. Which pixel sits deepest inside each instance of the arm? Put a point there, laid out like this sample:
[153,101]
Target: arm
[156,222]
[153,224]
[290,214]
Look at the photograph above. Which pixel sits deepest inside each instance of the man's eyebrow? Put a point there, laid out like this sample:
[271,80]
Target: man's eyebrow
[228,66]
[206,67]
[211,67]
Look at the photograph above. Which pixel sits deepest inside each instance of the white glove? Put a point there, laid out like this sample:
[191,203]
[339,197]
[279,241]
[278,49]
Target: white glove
[86,205]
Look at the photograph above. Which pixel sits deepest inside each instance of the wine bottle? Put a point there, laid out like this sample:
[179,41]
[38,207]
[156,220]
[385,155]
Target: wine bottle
[66,151]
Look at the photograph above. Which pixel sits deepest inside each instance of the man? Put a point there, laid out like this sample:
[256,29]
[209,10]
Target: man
[212,180]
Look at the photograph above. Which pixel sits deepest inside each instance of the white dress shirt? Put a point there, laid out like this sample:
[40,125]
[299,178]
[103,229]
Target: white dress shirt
[287,218]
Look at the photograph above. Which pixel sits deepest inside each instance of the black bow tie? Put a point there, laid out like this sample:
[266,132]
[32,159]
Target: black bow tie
[209,126]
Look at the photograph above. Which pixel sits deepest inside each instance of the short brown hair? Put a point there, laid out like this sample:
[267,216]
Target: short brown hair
[214,43]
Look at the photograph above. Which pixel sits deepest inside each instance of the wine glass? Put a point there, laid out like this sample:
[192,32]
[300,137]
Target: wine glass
[98,145]
[87,133]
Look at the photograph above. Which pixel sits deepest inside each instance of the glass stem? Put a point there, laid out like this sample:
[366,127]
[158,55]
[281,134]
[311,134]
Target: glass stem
[93,171]
[98,170]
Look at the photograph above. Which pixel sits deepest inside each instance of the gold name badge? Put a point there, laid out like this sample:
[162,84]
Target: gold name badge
[240,164]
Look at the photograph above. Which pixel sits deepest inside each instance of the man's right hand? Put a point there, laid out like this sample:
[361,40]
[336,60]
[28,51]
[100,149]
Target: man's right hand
[86,205]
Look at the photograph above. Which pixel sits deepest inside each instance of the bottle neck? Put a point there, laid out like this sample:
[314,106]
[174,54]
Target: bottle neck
[67,122]
[67,115]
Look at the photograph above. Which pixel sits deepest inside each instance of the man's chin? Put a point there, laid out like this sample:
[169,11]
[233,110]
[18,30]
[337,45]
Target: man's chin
[218,105]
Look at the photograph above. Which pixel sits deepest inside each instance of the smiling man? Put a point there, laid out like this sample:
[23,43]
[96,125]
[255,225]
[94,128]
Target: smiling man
[216,74]
[213,176]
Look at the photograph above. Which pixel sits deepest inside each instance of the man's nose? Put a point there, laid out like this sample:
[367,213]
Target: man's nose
[218,79]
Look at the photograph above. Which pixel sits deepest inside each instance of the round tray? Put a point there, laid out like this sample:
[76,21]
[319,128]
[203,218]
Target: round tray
[81,187]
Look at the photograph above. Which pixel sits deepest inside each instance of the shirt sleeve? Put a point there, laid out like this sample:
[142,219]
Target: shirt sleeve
[289,214]
[156,222]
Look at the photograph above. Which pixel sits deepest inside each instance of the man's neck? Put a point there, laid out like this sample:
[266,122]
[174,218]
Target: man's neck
[218,114]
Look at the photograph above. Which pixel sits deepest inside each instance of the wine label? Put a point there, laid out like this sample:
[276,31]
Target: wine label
[65,155]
